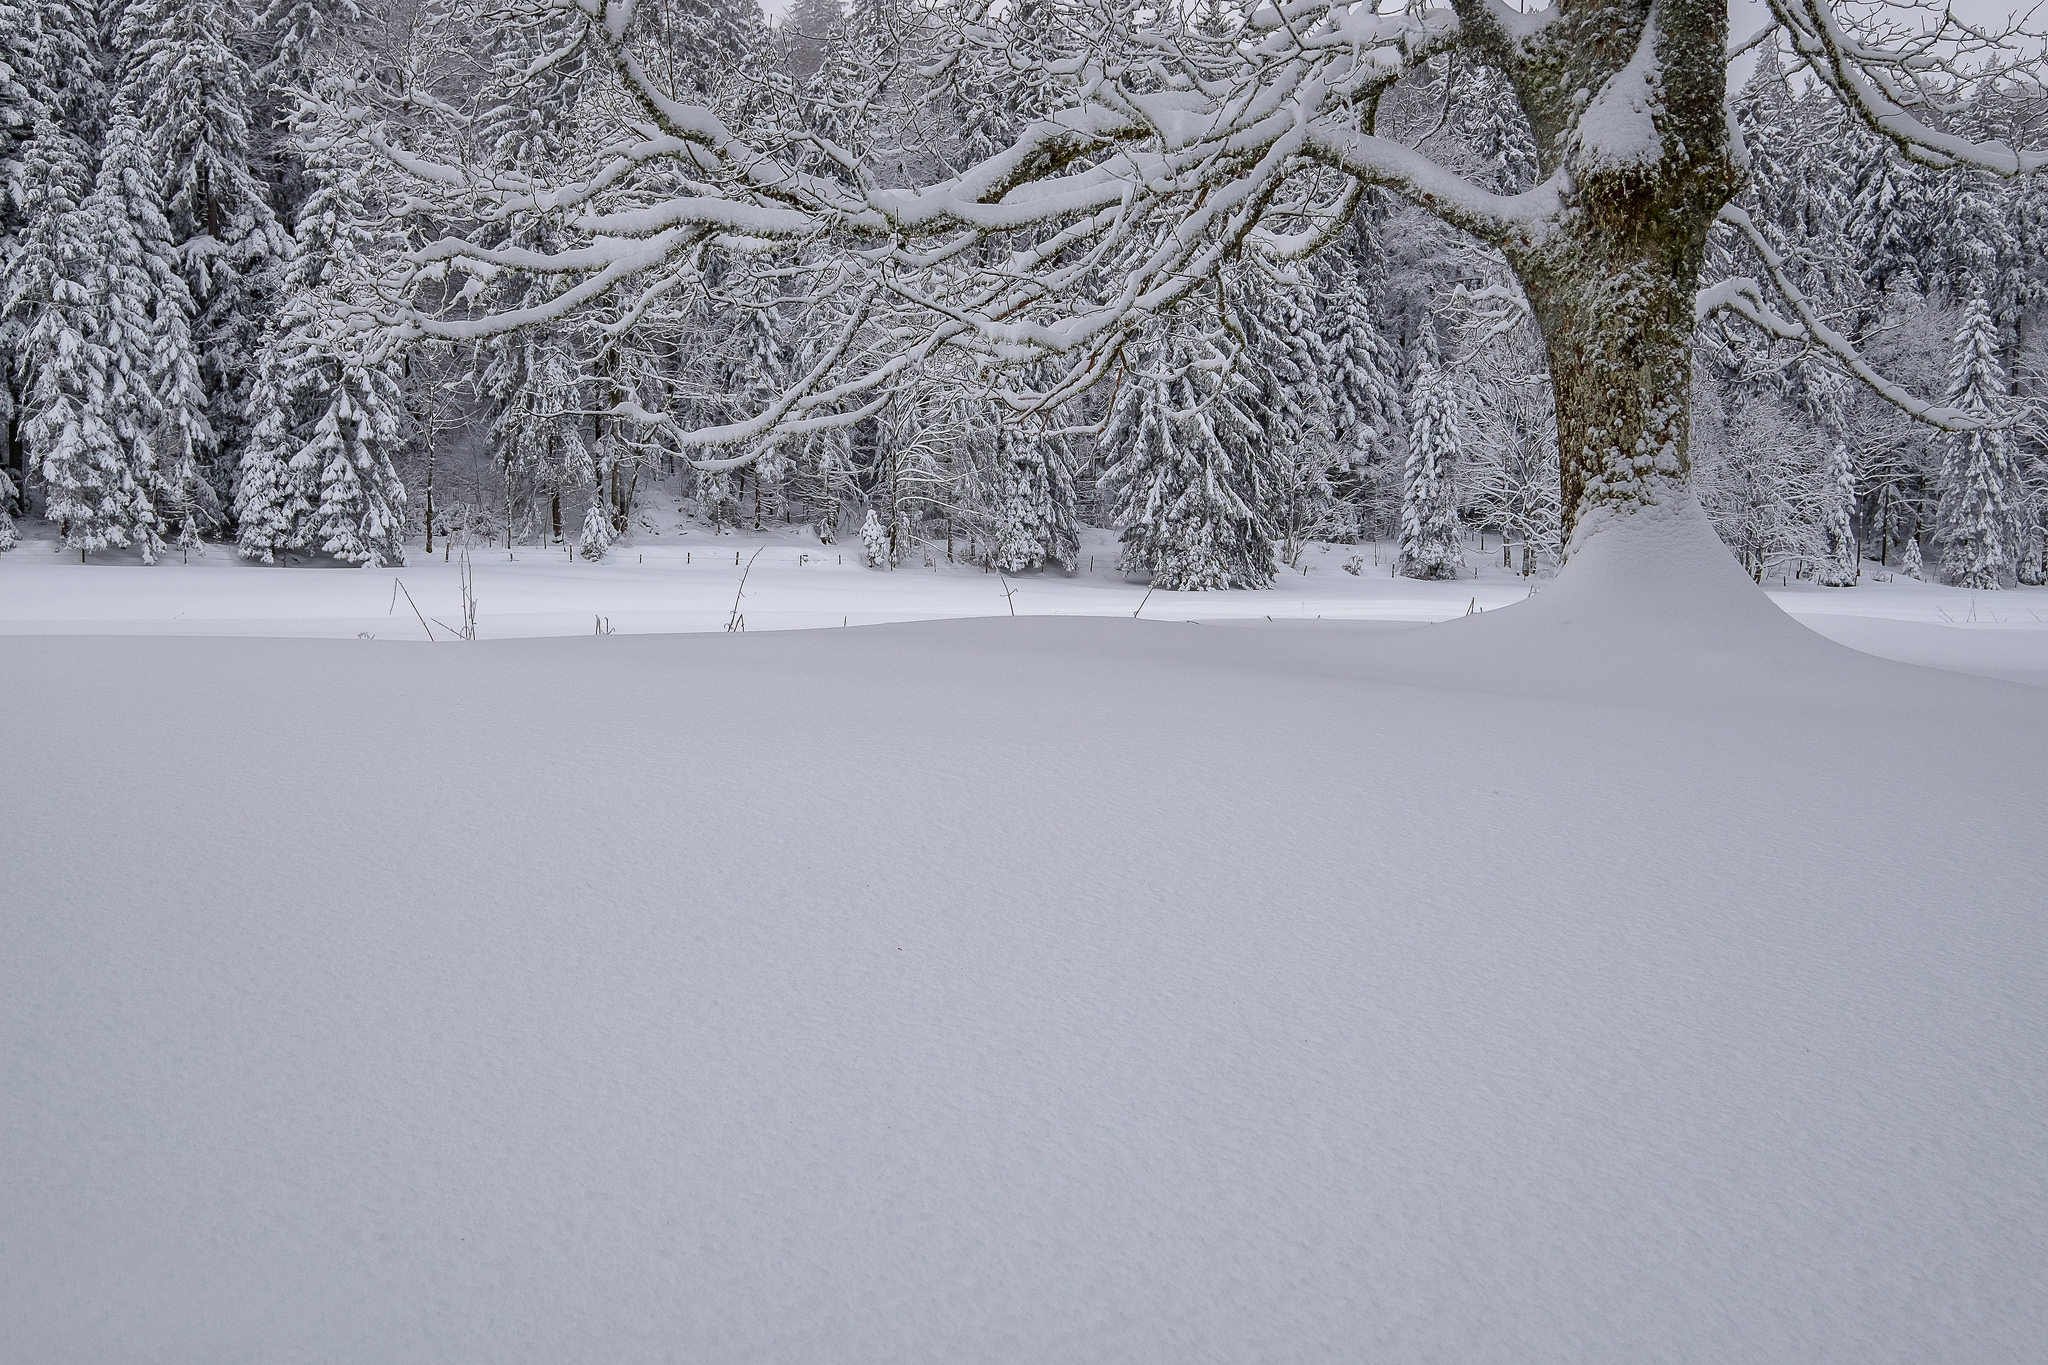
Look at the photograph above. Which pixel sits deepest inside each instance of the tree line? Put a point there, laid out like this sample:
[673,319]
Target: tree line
[210,230]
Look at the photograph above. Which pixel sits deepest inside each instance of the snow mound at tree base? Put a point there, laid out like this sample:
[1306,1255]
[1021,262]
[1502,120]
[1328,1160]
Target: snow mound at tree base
[1578,982]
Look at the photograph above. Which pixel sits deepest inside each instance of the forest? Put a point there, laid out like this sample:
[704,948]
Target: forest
[232,316]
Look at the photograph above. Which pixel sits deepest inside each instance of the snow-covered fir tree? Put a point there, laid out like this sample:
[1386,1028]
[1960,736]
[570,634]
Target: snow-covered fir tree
[540,431]
[1285,368]
[1977,523]
[156,403]
[874,542]
[327,411]
[1186,471]
[1034,504]
[600,459]
[1429,500]
[1840,561]
[54,271]
[195,98]
[762,377]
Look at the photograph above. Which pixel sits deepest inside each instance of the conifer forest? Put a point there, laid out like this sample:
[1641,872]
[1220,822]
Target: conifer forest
[338,279]
[1023,681]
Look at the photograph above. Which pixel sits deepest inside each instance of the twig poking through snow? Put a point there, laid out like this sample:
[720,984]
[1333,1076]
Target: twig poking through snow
[397,587]
[737,621]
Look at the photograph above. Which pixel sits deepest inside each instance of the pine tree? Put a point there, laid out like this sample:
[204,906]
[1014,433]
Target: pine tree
[71,68]
[1285,371]
[805,34]
[194,97]
[277,488]
[20,106]
[326,413]
[1910,565]
[299,30]
[540,431]
[1839,559]
[599,527]
[1887,224]
[9,537]
[1977,523]
[1429,500]
[66,373]
[1492,126]
[20,103]
[1034,520]
[1184,480]
[874,542]
[761,380]
[718,500]
[361,514]
[156,401]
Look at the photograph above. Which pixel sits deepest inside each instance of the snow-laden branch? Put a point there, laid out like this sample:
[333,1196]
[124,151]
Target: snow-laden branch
[1156,152]
[1744,297]
[1883,79]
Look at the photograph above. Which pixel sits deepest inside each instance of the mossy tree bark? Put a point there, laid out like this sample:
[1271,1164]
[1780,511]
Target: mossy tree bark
[1627,97]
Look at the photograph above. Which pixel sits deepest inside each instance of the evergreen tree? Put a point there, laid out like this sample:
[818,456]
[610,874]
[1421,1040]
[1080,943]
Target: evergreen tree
[540,431]
[20,102]
[21,105]
[156,405]
[714,38]
[1977,523]
[718,500]
[1429,500]
[1285,371]
[1910,566]
[70,68]
[1034,520]
[299,31]
[805,34]
[874,542]
[361,515]
[600,526]
[326,412]
[278,485]
[761,379]
[1184,479]
[1491,125]
[194,97]
[1839,559]
[65,372]
[1887,224]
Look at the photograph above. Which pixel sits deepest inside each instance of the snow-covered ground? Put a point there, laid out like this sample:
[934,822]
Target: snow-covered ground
[1624,975]
[687,579]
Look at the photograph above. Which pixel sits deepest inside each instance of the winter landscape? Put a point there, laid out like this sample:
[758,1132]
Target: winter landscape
[1038,681]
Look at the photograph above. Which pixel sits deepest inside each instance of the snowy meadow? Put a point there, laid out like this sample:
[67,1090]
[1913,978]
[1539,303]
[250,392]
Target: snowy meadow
[1048,681]
[1624,972]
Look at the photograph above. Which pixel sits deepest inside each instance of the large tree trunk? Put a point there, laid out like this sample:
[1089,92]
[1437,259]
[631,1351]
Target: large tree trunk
[1649,165]
[1618,334]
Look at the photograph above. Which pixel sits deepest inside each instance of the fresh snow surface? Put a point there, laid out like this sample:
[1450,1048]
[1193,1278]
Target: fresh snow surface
[1626,975]
[686,579]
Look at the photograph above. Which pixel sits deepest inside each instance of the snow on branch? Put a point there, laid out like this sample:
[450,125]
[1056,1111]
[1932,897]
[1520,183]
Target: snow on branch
[1899,76]
[1744,297]
[1157,151]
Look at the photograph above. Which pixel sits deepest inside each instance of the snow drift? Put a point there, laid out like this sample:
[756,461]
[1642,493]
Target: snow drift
[1617,977]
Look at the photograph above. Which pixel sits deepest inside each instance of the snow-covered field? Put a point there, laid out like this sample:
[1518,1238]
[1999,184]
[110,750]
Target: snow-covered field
[689,580]
[1627,974]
